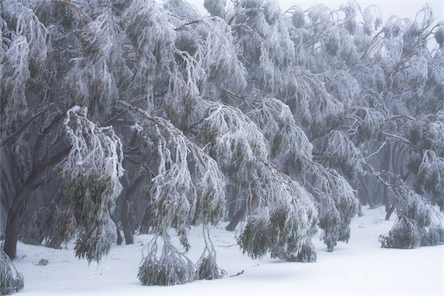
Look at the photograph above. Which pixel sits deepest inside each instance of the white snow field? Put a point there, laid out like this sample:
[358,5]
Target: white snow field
[360,267]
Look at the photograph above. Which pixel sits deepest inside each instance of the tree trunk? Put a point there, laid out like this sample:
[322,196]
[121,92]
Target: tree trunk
[145,225]
[241,213]
[390,211]
[119,236]
[12,232]
[387,167]
[126,225]
[360,213]
[126,216]
[13,223]
[232,200]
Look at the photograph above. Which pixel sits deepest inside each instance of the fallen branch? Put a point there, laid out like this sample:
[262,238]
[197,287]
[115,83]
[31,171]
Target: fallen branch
[227,246]
[239,273]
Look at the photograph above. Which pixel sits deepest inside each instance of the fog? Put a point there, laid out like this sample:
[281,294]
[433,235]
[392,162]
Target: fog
[401,8]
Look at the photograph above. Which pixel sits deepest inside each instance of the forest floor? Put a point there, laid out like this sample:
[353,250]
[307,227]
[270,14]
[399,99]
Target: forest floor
[360,267]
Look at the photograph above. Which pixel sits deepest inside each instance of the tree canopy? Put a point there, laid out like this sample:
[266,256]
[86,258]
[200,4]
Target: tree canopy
[137,116]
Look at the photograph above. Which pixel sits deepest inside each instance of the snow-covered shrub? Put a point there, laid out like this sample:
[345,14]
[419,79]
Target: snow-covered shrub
[207,268]
[432,235]
[10,279]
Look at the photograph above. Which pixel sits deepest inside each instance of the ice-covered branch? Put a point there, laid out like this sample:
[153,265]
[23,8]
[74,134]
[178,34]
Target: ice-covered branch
[189,186]
[93,169]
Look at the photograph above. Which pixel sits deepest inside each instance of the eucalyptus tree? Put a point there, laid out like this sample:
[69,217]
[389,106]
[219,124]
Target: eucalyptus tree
[399,95]
[119,113]
[304,109]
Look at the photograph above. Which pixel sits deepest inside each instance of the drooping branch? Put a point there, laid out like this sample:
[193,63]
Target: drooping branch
[403,140]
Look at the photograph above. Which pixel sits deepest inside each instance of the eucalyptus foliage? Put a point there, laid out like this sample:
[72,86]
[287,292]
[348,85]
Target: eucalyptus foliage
[159,118]
[10,279]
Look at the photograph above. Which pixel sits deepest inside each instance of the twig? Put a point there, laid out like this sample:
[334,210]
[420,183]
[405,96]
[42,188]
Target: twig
[239,273]
[402,140]
[187,24]
[227,246]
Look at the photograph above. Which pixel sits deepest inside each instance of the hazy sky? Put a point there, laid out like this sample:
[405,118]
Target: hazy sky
[401,8]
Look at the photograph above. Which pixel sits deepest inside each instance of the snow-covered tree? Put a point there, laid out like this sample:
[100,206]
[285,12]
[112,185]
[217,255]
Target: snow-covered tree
[279,122]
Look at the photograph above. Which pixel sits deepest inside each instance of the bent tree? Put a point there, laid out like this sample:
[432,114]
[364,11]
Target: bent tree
[154,118]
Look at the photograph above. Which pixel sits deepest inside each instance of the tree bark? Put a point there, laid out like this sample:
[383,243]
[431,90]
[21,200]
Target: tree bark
[241,213]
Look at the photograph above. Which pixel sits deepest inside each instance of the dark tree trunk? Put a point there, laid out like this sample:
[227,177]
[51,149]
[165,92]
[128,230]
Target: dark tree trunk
[145,225]
[232,201]
[360,213]
[390,211]
[12,232]
[127,216]
[119,236]
[126,223]
[387,167]
[13,223]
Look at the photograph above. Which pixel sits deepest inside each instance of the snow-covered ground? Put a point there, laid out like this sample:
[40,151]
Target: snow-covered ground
[357,268]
